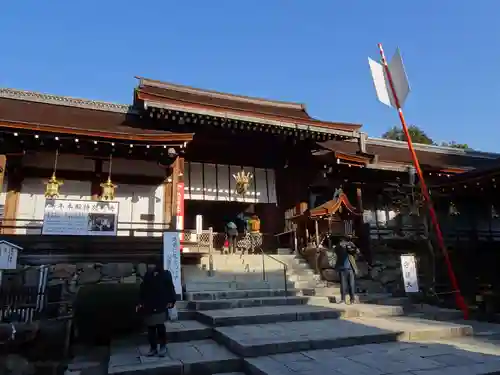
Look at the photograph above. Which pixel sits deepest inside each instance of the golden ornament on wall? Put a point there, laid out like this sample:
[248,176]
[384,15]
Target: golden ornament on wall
[242,181]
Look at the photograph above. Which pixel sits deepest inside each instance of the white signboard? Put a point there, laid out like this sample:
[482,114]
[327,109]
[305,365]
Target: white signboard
[172,258]
[8,255]
[409,269]
[80,217]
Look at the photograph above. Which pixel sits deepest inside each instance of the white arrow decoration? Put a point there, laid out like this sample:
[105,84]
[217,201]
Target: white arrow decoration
[399,80]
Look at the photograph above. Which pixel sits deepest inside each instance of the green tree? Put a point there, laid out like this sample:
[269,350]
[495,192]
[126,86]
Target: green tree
[464,146]
[417,135]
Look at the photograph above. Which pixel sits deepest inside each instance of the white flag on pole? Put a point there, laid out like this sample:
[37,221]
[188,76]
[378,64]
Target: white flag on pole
[399,79]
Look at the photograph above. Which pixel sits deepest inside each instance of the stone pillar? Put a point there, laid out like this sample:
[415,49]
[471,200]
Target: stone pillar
[14,182]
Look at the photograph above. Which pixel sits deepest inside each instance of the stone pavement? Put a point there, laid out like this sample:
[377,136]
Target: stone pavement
[194,357]
[400,358]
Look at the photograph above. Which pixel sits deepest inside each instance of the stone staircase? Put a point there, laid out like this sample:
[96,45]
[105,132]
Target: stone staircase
[257,331]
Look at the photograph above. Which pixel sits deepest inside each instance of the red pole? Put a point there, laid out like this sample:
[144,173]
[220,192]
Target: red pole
[425,192]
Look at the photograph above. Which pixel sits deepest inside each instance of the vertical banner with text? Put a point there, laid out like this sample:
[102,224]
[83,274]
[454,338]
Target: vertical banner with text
[179,212]
[172,259]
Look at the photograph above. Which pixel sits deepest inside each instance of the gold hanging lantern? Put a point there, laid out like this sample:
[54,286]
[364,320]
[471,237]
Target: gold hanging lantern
[108,188]
[453,210]
[53,184]
[494,214]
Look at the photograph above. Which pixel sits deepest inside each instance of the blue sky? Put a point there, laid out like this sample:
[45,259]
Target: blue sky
[313,52]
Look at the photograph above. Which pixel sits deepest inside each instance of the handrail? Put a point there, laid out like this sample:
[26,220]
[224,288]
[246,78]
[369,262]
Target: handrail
[285,268]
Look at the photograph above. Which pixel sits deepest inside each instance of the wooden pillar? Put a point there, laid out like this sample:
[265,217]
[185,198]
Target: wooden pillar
[95,187]
[174,194]
[168,195]
[14,183]
[3,166]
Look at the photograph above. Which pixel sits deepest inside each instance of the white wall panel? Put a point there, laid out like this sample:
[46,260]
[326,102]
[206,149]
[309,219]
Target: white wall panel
[142,206]
[196,180]
[271,186]
[223,182]
[134,167]
[31,206]
[124,195]
[210,179]
[187,190]
[64,161]
[261,185]
[3,196]
[73,189]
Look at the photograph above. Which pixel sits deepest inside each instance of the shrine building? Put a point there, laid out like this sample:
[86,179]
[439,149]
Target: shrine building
[177,152]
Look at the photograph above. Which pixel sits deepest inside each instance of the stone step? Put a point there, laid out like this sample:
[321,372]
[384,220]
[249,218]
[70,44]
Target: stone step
[466,355]
[192,358]
[184,330]
[201,305]
[287,337]
[301,277]
[318,309]
[227,285]
[235,294]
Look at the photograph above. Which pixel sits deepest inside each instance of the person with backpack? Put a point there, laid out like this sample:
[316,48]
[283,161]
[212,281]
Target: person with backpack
[231,234]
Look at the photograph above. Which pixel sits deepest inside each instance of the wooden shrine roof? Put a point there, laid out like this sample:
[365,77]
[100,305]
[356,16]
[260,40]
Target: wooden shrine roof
[460,160]
[332,207]
[488,170]
[48,113]
[157,92]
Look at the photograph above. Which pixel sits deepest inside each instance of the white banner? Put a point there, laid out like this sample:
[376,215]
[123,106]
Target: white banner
[8,256]
[67,217]
[172,258]
[399,80]
[409,269]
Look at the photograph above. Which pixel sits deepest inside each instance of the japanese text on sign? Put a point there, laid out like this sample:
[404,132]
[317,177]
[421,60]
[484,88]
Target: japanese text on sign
[172,258]
[80,217]
[409,270]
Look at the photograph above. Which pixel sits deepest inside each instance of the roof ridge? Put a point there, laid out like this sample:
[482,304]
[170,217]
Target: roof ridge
[433,148]
[34,96]
[213,93]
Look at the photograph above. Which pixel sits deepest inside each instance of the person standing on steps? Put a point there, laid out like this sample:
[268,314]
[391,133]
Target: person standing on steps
[231,233]
[157,295]
[346,266]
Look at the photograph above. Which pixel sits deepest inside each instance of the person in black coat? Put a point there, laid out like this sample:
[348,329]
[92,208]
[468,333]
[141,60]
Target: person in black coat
[157,295]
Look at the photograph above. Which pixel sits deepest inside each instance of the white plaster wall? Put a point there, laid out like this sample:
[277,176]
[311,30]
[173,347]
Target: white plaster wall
[3,196]
[136,201]
[134,167]
[31,204]
[64,161]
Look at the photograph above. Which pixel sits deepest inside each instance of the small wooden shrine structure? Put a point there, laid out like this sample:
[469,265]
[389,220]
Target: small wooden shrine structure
[335,217]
